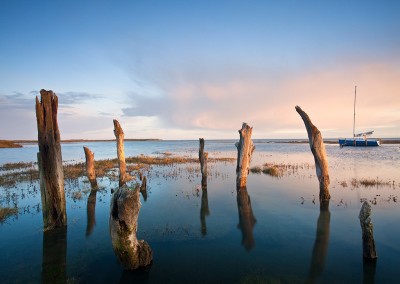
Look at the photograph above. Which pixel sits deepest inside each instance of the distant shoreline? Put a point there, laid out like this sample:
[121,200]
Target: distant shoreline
[18,143]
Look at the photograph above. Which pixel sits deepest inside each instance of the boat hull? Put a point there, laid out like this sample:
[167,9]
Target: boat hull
[358,142]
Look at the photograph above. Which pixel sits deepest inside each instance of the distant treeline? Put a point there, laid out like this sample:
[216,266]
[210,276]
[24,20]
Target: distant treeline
[17,143]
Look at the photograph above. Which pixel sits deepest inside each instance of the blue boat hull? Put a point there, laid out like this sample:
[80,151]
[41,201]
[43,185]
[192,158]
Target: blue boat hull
[358,142]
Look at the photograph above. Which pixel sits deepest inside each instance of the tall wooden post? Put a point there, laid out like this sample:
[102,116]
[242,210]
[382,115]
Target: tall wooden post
[318,149]
[124,212]
[245,149]
[367,228]
[90,170]
[50,161]
[119,135]
[203,156]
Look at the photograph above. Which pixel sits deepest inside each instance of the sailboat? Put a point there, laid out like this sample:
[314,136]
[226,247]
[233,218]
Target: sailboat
[359,139]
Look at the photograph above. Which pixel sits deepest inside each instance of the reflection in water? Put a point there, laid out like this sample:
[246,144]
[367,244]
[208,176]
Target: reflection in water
[369,268]
[140,275]
[54,256]
[246,218]
[143,189]
[204,211]
[91,212]
[321,243]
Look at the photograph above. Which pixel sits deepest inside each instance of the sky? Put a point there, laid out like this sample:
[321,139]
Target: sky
[190,69]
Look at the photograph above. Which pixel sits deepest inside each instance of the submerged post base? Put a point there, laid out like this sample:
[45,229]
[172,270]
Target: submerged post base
[124,211]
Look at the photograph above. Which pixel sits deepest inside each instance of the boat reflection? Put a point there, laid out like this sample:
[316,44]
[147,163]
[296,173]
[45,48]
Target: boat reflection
[54,262]
[321,243]
[246,218]
[91,212]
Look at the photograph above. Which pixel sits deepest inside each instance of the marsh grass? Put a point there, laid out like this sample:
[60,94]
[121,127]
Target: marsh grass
[7,212]
[15,166]
[367,182]
[11,173]
[256,170]
[274,171]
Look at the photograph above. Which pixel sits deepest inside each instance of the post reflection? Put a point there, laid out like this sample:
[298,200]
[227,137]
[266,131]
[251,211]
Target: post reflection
[54,263]
[246,218]
[204,211]
[369,268]
[91,212]
[321,243]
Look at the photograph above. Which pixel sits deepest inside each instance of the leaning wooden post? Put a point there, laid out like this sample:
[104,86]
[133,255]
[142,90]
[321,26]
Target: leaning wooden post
[367,228]
[124,212]
[90,171]
[203,156]
[50,161]
[119,135]
[245,149]
[318,149]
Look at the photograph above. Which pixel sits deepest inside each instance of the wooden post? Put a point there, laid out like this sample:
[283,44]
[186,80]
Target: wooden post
[50,161]
[119,135]
[203,156]
[367,228]
[246,218]
[124,212]
[317,147]
[90,170]
[245,149]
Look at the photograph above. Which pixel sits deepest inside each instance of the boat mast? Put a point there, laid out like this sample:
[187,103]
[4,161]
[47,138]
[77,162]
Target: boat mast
[354,119]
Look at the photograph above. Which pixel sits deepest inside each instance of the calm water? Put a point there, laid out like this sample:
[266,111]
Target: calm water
[278,234]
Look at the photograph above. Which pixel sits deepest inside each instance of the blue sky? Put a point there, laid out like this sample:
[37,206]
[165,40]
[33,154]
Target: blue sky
[189,69]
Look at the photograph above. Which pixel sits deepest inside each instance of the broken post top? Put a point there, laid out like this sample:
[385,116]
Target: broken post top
[310,127]
[46,115]
[246,129]
[117,128]
[87,151]
[365,212]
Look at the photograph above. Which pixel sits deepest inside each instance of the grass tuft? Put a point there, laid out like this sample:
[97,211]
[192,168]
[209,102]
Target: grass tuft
[6,213]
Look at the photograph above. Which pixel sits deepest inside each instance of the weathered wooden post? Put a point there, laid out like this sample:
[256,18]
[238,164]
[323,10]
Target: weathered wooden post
[50,161]
[131,252]
[367,228]
[246,218]
[90,170]
[245,149]
[119,135]
[203,156]
[318,149]
[91,212]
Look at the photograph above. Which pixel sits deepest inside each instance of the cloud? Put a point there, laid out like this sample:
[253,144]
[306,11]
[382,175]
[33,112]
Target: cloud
[222,98]
[69,98]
